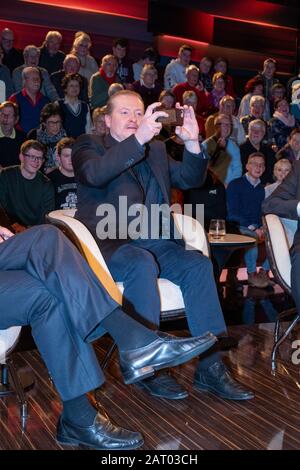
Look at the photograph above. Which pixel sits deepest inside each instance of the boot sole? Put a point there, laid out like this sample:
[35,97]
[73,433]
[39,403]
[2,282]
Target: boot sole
[67,441]
[207,388]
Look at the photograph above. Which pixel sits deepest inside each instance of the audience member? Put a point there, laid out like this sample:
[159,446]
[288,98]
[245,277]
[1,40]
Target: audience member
[221,65]
[6,84]
[254,87]
[11,138]
[227,106]
[101,80]
[291,150]
[148,86]
[282,123]
[51,58]
[63,179]
[49,133]
[281,170]
[268,77]
[149,57]
[205,68]
[175,71]
[76,113]
[26,194]
[71,64]
[124,65]
[13,57]
[98,119]
[81,48]
[30,100]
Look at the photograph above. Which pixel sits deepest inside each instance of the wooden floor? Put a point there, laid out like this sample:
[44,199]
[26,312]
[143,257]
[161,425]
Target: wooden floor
[201,421]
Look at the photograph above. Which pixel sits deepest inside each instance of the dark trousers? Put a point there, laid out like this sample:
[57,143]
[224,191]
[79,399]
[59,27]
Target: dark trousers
[45,283]
[295,274]
[139,264]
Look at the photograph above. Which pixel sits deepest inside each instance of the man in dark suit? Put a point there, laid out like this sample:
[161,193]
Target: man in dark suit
[127,165]
[285,202]
[45,283]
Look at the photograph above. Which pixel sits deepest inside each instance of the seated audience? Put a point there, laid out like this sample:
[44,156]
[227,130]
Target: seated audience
[221,65]
[281,170]
[268,76]
[76,113]
[63,179]
[13,57]
[71,64]
[175,71]
[51,58]
[6,84]
[81,48]
[295,104]
[282,123]
[98,119]
[254,87]
[11,138]
[124,64]
[277,92]
[101,80]
[218,90]
[205,68]
[31,59]
[26,194]
[257,106]
[227,106]
[293,81]
[244,199]
[49,133]
[204,105]
[149,57]
[291,150]
[148,86]
[224,154]
[254,143]
[30,100]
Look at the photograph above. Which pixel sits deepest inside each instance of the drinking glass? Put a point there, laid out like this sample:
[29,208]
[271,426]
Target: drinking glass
[217,229]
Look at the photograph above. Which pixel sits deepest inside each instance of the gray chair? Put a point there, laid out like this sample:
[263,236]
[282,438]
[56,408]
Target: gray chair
[279,235]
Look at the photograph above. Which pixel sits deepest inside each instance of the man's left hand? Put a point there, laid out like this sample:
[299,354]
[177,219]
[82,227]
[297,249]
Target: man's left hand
[189,131]
[5,234]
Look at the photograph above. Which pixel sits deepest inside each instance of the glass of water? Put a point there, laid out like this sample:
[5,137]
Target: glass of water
[217,229]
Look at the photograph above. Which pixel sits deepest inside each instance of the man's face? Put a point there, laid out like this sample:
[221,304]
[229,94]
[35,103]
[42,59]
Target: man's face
[99,124]
[110,66]
[73,89]
[53,125]
[149,78]
[223,127]
[65,159]
[119,51]
[7,40]
[227,107]
[32,82]
[31,161]
[32,59]
[53,45]
[256,167]
[219,85]
[205,66]
[125,118]
[269,69]
[7,119]
[71,66]
[256,134]
[283,107]
[185,57]
[192,77]
[221,67]
[295,142]
[257,109]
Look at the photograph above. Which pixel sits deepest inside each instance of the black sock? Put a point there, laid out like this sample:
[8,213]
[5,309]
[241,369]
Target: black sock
[79,411]
[127,332]
[208,358]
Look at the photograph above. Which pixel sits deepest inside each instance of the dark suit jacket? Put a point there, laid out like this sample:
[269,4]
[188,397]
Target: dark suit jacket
[284,200]
[103,169]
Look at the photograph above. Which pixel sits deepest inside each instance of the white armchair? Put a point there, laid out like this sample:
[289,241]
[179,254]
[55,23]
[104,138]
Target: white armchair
[279,238]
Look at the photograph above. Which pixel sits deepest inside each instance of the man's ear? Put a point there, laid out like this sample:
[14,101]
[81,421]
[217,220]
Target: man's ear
[21,157]
[107,120]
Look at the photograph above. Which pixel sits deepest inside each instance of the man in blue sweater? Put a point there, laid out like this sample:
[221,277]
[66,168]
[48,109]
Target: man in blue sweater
[244,199]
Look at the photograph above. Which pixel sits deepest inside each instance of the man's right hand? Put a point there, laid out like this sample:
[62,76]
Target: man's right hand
[5,234]
[149,127]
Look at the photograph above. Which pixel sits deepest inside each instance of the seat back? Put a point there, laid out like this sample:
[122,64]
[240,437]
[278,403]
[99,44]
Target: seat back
[279,238]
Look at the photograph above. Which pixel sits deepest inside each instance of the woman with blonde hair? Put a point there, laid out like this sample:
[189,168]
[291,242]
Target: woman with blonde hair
[81,48]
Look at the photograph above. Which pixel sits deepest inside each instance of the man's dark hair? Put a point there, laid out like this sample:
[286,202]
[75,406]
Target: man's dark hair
[123,42]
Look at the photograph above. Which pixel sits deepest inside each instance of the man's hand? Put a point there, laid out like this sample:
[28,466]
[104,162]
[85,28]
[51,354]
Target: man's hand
[18,228]
[5,234]
[260,233]
[149,127]
[189,131]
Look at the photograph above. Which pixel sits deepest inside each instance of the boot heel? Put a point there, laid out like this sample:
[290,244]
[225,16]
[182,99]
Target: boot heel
[138,374]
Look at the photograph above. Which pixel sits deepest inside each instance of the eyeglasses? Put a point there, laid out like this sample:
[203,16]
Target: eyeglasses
[33,158]
[54,123]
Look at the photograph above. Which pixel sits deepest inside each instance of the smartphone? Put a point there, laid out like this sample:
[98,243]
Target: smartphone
[174,118]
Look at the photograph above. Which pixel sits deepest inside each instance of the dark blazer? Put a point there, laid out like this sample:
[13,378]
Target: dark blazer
[284,200]
[103,169]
